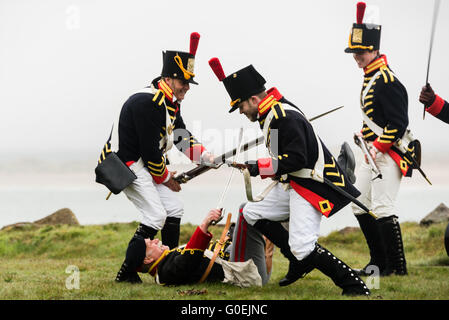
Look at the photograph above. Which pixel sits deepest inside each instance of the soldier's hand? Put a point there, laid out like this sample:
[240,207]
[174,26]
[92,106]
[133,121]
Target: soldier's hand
[213,215]
[208,158]
[253,168]
[427,96]
[373,153]
[172,184]
[356,136]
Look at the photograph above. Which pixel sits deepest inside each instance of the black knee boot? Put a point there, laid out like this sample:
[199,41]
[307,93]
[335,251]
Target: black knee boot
[391,233]
[126,275]
[342,275]
[170,232]
[323,260]
[376,246]
[277,234]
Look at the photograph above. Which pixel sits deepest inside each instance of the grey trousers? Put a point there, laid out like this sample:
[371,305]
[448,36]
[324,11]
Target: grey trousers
[248,243]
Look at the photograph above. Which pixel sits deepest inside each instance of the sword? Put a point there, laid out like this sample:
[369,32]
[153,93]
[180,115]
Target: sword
[350,197]
[418,167]
[185,177]
[325,113]
[362,144]
[434,22]
[225,191]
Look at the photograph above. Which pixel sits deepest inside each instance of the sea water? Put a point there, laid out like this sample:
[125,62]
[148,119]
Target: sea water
[26,198]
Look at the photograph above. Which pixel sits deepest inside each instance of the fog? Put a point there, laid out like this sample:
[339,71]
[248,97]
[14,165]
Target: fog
[66,67]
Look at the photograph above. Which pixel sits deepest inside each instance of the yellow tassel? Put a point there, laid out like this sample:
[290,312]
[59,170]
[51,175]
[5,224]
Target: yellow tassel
[187,74]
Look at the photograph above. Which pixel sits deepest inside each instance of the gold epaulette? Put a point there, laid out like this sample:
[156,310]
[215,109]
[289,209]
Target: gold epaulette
[159,97]
[278,110]
[387,75]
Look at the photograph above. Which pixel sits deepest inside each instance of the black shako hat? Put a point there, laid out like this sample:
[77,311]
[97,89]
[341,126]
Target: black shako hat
[241,84]
[135,253]
[180,65]
[363,36]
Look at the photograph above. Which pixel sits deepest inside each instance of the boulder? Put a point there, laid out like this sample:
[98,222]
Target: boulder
[348,230]
[439,214]
[62,216]
[17,225]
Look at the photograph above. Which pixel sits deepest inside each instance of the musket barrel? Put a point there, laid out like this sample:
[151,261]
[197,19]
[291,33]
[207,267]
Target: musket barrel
[186,176]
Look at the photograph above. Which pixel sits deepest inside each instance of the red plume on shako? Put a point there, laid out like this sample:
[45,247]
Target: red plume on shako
[215,64]
[361,6]
[194,40]
[241,84]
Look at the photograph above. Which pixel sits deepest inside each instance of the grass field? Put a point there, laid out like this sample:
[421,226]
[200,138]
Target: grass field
[38,263]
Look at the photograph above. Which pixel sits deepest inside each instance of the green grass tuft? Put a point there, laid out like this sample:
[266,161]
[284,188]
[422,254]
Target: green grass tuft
[34,261]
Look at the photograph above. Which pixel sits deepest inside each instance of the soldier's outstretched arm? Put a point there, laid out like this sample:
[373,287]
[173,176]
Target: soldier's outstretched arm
[434,104]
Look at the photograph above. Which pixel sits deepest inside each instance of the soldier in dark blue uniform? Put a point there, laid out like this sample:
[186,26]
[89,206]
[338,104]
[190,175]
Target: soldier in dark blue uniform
[384,106]
[301,163]
[150,123]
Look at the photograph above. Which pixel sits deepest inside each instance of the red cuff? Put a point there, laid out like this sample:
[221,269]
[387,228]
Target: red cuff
[265,168]
[382,147]
[194,153]
[436,106]
[160,179]
[199,240]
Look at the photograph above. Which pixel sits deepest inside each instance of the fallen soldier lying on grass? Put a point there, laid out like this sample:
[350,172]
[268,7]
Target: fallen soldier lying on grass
[186,265]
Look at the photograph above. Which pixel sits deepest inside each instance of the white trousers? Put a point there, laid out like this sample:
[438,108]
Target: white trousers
[156,202]
[280,205]
[378,195]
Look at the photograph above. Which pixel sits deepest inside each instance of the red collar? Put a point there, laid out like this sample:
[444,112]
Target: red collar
[168,92]
[273,96]
[376,64]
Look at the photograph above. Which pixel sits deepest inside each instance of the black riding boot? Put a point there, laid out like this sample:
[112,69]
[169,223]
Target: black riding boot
[126,275]
[391,233]
[170,232]
[277,234]
[376,246]
[320,258]
[342,275]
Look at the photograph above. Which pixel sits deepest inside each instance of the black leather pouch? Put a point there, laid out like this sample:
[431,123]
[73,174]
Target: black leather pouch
[114,174]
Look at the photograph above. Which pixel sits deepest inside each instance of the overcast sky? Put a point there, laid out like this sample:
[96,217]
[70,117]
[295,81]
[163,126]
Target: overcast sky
[66,67]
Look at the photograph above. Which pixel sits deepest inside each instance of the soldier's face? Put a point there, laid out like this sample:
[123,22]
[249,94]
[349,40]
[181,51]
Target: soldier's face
[179,87]
[154,250]
[249,108]
[364,58]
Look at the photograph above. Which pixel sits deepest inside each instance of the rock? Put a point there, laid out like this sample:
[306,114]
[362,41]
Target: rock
[62,216]
[17,225]
[348,230]
[439,214]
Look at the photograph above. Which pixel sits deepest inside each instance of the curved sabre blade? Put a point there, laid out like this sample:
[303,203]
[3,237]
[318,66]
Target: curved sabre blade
[223,195]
